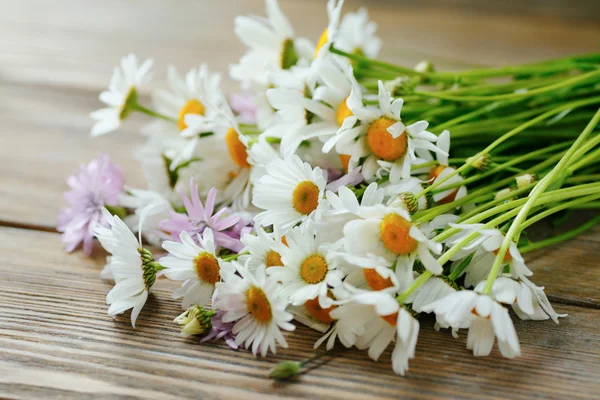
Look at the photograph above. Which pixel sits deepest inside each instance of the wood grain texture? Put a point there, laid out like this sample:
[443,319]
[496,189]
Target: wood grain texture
[56,340]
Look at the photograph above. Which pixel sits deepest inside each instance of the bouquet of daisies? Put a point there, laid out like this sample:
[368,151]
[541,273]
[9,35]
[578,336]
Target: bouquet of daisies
[343,192]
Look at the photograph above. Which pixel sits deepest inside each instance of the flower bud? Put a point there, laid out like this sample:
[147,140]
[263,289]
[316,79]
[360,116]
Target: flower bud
[480,162]
[424,67]
[525,180]
[195,320]
[285,370]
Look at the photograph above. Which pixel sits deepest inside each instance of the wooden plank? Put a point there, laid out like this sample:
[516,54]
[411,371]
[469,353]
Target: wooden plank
[45,137]
[57,341]
[77,44]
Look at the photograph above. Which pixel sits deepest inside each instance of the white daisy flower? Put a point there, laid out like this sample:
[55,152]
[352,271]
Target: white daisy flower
[344,207]
[356,34]
[131,266]
[272,45]
[291,193]
[121,95]
[434,289]
[310,268]
[195,264]
[257,304]
[486,320]
[378,319]
[389,233]
[188,96]
[266,249]
[380,137]
[313,315]
[527,300]
[403,194]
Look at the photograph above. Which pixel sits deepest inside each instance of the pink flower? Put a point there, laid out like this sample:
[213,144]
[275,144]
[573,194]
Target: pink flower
[243,105]
[199,217]
[95,186]
[221,330]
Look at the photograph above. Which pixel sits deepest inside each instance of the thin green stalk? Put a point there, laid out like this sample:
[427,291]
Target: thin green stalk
[138,107]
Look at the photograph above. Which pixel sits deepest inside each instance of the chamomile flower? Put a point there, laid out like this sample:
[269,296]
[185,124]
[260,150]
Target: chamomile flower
[291,193]
[486,320]
[434,289]
[187,96]
[310,268]
[389,233]
[131,266]
[266,249]
[313,315]
[121,95]
[271,45]
[195,264]
[257,305]
[381,137]
[379,319]
[356,34]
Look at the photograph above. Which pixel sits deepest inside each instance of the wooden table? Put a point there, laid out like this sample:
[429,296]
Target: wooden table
[55,337]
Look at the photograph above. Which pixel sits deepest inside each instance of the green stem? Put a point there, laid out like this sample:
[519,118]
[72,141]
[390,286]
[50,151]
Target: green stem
[138,107]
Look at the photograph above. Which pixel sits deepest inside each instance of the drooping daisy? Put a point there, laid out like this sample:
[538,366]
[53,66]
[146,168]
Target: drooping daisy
[266,249]
[291,193]
[257,304]
[380,137]
[486,320]
[527,300]
[310,268]
[389,233]
[95,186]
[121,95]
[404,193]
[379,320]
[313,315]
[486,247]
[272,45]
[131,266]
[195,264]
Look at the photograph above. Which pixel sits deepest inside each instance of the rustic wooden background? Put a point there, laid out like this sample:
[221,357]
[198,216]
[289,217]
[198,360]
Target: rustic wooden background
[55,337]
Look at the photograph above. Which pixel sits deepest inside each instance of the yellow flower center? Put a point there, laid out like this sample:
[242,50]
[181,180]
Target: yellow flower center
[345,160]
[391,319]
[305,198]
[319,313]
[433,174]
[322,41]
[342,112]
[207,268]
[273,259]
[237,150]
[381,142]
[394,232]
[313,269]
[191,107]
[258,304]
[375,281]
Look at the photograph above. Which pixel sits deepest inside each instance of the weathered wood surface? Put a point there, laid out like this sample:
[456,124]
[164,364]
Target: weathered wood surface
[55,337]
[56,340]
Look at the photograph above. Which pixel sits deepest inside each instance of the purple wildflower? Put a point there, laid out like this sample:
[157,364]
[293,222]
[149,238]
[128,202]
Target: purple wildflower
[244,106]
[199,217]
[93,187]
[221,330]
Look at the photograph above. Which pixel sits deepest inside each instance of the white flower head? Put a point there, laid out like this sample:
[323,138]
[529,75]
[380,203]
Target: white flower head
[197,265]
[121,94]
[310,268]
[255,302]
[389,233]
[292,192]
[271,44]
[266,249]
[356,34]
[485,318]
